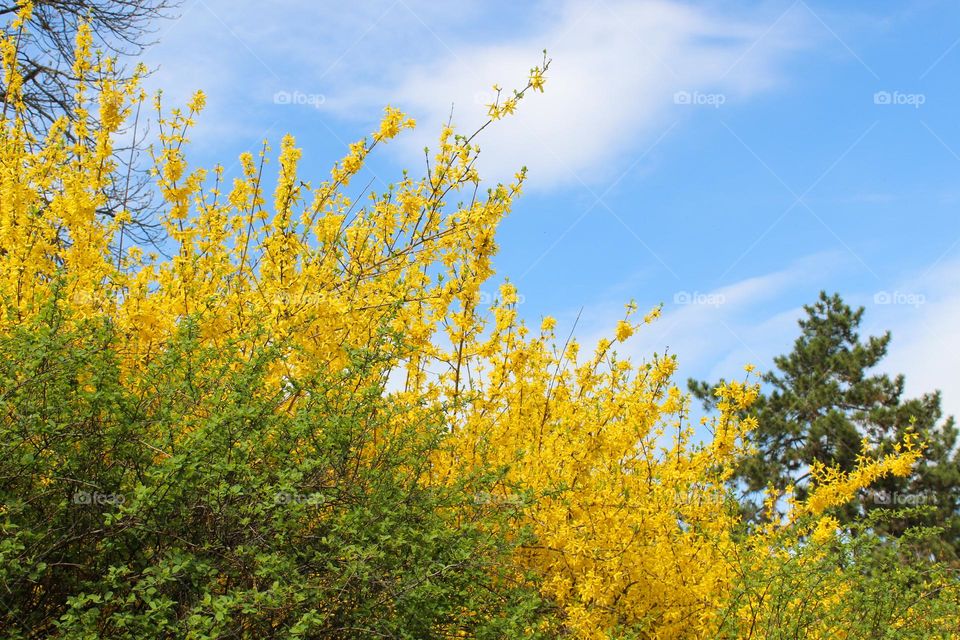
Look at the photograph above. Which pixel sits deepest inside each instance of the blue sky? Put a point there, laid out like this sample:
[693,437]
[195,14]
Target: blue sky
[729,160]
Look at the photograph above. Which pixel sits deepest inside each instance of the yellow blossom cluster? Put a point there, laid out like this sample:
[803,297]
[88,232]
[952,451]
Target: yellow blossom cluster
[834,488]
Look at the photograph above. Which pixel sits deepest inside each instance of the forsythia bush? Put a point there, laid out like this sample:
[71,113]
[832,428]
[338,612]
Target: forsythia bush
[445,469]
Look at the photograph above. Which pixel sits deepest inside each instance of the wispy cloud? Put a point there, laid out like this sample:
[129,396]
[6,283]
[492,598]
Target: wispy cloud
[716,332]
[621,71]
[923,312]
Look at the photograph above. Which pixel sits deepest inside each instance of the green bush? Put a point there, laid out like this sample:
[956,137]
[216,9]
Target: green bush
[189,503]
[858,584]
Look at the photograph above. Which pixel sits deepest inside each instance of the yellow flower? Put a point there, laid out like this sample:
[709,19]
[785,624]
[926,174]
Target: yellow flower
[536,79]
[197,102]
[393,121]
[825,530]
[902,465]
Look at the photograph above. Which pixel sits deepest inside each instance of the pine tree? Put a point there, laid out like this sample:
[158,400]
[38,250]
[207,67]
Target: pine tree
[824,402]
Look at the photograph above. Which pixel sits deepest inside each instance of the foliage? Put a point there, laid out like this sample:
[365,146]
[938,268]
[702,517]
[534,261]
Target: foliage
[198,507]
[842,584]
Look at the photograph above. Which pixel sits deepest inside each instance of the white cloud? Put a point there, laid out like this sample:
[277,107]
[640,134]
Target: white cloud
[923,315]
[610,94]
[715,332]
[753,320]
[617,67]
[242,54]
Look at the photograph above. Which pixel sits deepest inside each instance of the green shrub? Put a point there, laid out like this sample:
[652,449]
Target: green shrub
[189,503]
